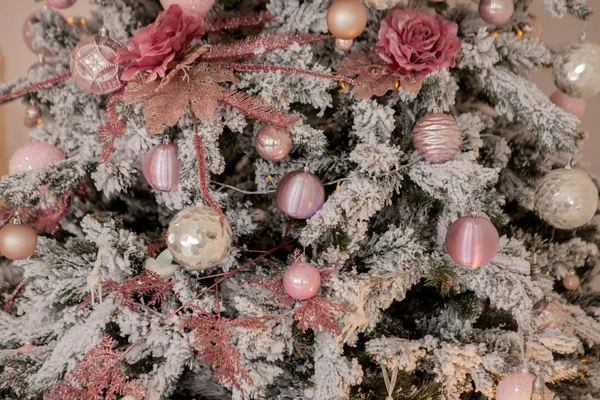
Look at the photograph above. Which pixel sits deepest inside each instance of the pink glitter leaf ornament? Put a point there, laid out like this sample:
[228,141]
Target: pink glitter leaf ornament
[112,127]
[227,22]
[318,314]
[97,376]
[375,77]
[256,108]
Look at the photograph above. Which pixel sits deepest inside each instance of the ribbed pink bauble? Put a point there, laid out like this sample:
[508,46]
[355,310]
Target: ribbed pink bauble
[193,7]
[496,12]
[437,137]
[472,241]
[17,241]
[572,105]
[34,155]
[302,281]
[346,19]
[300,194]
[162,168]
[571,282]
[516,386]
[273,143]
[62,4]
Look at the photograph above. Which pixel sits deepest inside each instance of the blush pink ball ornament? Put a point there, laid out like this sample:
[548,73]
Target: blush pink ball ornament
[437,137]
[571,281]
[300,194]
[472,241]
[302,281]
[572,105]
[162,168]
[94,64]
[346,19]
[34,155]
[496,12]
[516,386]
[29,40]
[198,8]
[273,143]
[18,241]
[61,4]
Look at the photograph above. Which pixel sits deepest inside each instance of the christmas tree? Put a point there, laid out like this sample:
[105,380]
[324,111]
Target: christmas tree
[293,199]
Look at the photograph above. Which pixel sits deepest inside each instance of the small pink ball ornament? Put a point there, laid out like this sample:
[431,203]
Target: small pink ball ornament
[34,155]
[346,19]
[302,281]
[162,168]
[197,8]
[60,4]
[437,137]
[496,12]
[29,40]
[344,45]
[94,64]
[18,241]
[300,194]
[571,281]
[516,386]
[273,143]
[572,105]
[472,241]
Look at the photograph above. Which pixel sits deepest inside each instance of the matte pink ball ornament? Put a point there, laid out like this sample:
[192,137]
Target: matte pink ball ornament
[273,143]
[300,194]
[346,19]
[437,137]
[197,8]
[302,281]
[516,386]
[572,105]
[472,241]
[162,168]
[60,4]
[18,241]
[34,155]
[496,12]
[571,281]
[94,64]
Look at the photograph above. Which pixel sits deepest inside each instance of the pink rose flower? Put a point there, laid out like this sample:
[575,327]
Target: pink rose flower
[152,48]
[418,40]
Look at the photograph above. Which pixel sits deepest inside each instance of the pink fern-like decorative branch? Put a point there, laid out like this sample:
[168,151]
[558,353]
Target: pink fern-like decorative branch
[292,70]
[226,22]
[113,126]
[318,314]
[148,283]
[44,219]
[255,107]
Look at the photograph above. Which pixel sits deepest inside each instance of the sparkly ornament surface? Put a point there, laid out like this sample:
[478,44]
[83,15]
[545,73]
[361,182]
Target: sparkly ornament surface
[17,241]
[273,143]
[576,70]
[344,45]
[302,281]
[381,4]
[496,12]
[34,155]
[571,282]
[437,137]
[162,168]
[548,315]
[60,4]
[94,64]
[515,386]
[572,105]
[33,111]
[300,194]
[197,8]
[196,239]
[472,241]
[566,198]
[346,19]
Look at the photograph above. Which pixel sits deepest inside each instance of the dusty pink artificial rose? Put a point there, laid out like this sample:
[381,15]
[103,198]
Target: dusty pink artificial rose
[152,48]
[418,40]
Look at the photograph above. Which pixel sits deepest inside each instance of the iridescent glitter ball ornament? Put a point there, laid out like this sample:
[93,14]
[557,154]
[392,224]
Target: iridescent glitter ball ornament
[496,12]
[381,4]
[302,281]
[346,19]
[437,137]
[566,198]
[572,105]
[94,64]
[161,167]
[17,240]
[300,194]
[196,238]
[60,4]
[548,315]
[515,386]
[273,143]
[576,70]
[34,155]
[472,241]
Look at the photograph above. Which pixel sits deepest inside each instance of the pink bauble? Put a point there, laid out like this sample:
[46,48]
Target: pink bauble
[34,155]
[33,111]
[198,8]
[516,386]
[343,44]
[571,282]
[535,28]
[496,12]
[302,281]
[94,64]
[30,122]
[273,143]
[437,137]
[161,167]
[346,19]
[62,4]
[28,39]
[472,241]
[17,241]
[300,194]
[572,105]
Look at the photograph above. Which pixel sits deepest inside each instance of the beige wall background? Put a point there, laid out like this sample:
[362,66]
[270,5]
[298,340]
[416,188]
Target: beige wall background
[17,59]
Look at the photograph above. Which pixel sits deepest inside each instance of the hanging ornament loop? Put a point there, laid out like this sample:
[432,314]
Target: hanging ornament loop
[390,383]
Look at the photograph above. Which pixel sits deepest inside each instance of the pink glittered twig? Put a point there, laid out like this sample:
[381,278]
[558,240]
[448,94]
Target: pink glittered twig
[293,70]
[237,20]
[11,299]
[34,87]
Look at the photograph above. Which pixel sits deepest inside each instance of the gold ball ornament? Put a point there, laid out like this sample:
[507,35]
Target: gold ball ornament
[18,241]
[346,19]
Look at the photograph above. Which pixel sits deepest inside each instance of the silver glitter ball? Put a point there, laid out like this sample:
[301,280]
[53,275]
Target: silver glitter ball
[566,198]
[437,137]
[196,238]
[576,70]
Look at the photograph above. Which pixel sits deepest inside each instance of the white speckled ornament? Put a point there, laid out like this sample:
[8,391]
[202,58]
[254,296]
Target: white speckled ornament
[515,386]
[576,70]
